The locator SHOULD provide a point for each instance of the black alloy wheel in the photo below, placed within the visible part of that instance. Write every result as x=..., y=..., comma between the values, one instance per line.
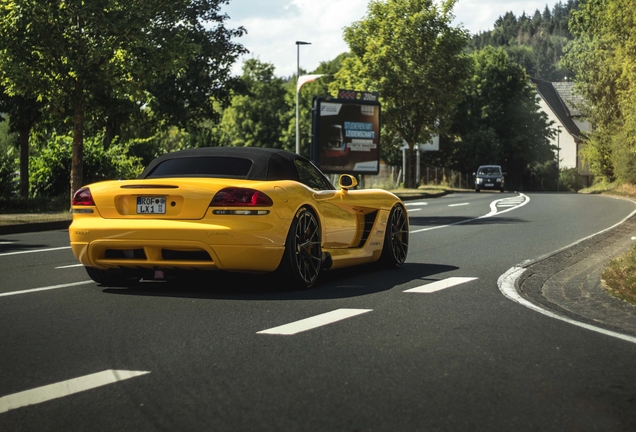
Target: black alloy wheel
x=396, y=238
x=302, y=260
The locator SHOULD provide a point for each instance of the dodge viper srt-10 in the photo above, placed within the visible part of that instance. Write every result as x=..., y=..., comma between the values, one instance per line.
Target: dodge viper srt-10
x=240, y=209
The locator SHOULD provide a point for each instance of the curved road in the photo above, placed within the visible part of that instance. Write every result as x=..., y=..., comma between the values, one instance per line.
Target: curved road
x=432, y=346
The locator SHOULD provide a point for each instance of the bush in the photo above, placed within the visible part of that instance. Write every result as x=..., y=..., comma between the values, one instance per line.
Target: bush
x=17, y=204
x=543, y=176
x=570, y=179
x=7, y=180
x=597, y=153
x=624, y=159
x=50, y=172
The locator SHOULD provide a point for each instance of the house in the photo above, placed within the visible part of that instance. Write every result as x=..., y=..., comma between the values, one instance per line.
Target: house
x=563, y=106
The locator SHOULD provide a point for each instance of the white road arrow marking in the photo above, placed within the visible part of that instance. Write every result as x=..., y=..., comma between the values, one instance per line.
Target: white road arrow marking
x=493, y=212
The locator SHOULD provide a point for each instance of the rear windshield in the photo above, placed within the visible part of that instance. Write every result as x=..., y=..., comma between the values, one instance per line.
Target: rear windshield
x=204, y=166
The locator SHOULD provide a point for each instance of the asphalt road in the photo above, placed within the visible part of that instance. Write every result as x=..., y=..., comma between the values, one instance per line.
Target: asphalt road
x=431, y=346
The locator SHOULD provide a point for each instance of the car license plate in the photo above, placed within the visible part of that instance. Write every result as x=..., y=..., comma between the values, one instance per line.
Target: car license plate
x=489, y=185
x=151, y=205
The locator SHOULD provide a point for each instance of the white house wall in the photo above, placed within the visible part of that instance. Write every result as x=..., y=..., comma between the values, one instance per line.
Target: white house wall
x=584, y=126
x=564, y=141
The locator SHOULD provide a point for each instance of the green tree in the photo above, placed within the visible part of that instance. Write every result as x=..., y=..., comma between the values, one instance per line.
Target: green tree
x=53, y=165
x=7, y=187
x=24, y=113
x=408, y=51
x=536, y=42
x=71, y=53
x=498, y=122
x=192, y=95
x=256, y=116
x=602, y=55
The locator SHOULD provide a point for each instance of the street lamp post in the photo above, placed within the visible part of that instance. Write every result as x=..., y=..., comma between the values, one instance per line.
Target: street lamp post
x=298, y=44
x=558, y=157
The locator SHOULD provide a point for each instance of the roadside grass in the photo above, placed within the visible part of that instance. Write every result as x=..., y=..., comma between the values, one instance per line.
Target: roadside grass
x=619, y=277
x=17, y=210
x=22, y=218
x=626, y=190
x=618, y=189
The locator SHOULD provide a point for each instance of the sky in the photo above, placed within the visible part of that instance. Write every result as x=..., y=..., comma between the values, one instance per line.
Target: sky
x=274, y=26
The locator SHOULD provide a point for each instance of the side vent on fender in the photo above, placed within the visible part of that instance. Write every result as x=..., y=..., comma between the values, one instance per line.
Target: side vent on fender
x=369, y=221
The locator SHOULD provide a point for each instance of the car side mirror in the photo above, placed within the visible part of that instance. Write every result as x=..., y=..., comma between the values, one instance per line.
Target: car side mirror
x=347, y=182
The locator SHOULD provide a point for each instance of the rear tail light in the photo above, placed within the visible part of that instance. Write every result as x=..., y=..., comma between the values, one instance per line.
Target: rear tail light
x=240, y=197
x=83, y=197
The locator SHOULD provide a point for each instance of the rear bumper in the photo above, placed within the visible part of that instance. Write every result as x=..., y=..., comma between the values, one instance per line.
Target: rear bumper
x=489, y=186
x=254, y=245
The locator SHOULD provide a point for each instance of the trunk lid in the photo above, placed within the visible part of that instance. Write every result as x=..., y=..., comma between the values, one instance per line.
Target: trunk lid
x=182, y=198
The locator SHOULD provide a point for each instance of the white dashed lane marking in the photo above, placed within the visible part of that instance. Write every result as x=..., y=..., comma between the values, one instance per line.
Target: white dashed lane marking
x=440, y=285
x=413, y=210
x=69, y=266
x=314, y=322
x=52, y=287
x=34, y=251
x=341, y=314
x=65, y=388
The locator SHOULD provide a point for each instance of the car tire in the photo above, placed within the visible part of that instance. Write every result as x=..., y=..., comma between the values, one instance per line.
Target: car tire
x=477, y=190
x=501, y=190
x=115, y=278
x=396, y=238
x=302, y=260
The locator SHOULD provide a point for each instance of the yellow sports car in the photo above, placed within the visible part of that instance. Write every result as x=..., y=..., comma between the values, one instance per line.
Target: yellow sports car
x=240, y=209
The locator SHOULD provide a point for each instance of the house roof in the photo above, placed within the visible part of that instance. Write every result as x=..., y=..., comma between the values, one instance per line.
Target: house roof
x=572, y=100
x=561, y=98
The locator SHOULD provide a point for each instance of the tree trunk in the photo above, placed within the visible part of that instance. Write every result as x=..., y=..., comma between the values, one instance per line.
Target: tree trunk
x=24, y=162
x=77, y=166
x=113, y=129
x=409, y=181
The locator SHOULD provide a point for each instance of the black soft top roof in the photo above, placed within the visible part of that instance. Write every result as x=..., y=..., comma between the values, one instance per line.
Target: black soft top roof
x=267, y=163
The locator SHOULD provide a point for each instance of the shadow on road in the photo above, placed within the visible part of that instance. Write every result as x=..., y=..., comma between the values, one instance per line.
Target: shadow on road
x=8, y=245
x=343, y=283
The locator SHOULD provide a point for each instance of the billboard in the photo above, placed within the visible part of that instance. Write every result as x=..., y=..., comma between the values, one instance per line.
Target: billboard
x=346, y=135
